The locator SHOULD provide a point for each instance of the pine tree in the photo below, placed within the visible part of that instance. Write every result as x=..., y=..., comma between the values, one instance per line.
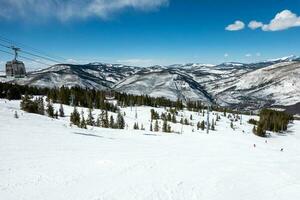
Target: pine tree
x=111, y=122
x=82, y=122
x=156, y=126
x=98, y=121
x=136, y=126
x=142, y=127
x=90, y=119
x=191, y=117
x=212, y=125
x=56, y=115
x=50, y=109
x=198, y=125
x=186, y=122
x=202, y=126
x=169, y=117
x=169, y=128
x=104, y=119
x=41, y=109
x=174, y=118
x=231, y=125
x=120, y=121
x=165, y=126
x=61, y=111
x=75, y=117
x=151, y=129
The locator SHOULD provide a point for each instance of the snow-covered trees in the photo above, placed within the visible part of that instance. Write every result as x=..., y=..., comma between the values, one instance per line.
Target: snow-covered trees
x=82, y=121
x=75, y=117
x=212, y=125
x=90, y=119
x=202, y=125
x=156, y=126
x=50, y=109
x=120, y=121
x=61, y=111
x=32, y=106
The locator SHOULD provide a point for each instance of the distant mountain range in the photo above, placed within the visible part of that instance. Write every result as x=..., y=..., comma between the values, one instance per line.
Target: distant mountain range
x=238, y=85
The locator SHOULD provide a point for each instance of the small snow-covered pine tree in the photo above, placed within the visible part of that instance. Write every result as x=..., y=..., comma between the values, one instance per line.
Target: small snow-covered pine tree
x=61, y=111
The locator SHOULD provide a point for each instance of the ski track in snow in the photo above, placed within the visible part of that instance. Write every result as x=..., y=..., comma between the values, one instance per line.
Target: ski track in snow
x=43, y=158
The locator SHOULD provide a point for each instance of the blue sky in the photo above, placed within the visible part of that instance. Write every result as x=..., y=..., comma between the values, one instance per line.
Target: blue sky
x=147, y=32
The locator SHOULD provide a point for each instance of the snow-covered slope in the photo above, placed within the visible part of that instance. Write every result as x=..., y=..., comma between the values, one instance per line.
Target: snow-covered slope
x=43, y=158
x=254, y=85
x=93, y=75
x=171, y=83
x=278, y=84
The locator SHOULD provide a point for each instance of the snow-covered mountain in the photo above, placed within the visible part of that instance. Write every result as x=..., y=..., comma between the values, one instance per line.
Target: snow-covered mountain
x=277, y=84
x=171, y=83
x=254, y=85
x=94, y=75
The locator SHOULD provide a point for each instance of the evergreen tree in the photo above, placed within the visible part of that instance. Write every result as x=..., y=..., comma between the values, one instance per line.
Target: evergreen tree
x=156, y=126
x=120, y=121
x=98, y=121
x=142, y=127
x=186, y=122
x=191, y=117
x=136, y=126
x=174, y=118
x=202, y=126
x=151, y=129
x=111, y=122
x=212, y=125
x=198, y=125
x=169, y=117
x=231, y=125
x=75, y=117
x=82, y=122
x=90, y=119
x=50, y=109
x=56, y=115
x=181, y=121
x=61, y=111
x=169, y=128
x=165, y=126
x=41, y=109
x=104, y=119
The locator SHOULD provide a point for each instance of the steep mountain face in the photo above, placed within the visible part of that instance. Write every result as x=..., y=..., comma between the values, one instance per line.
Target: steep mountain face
x=95, y=75
x=237, y=85
x=171, y=83
x=277, y=84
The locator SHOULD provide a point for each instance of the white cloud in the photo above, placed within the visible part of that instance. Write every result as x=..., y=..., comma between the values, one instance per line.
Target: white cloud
x=226, y=55
x=248, y=55
x=236, y=26
x=69, y=9
x=258, y=54
x=255, y=24
x=283, y=20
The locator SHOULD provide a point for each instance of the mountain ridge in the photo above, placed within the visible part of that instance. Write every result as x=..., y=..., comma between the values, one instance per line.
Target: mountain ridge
x=247, y=86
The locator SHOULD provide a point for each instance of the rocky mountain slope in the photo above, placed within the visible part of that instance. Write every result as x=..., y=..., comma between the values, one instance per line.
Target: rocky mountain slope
x=238, y=85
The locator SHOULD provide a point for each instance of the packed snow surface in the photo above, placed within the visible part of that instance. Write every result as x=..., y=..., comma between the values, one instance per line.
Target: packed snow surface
x=44, y=158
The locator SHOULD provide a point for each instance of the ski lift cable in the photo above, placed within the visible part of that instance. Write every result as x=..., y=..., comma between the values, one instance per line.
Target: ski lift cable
x=32, y=54
x=26, y=58
x=11, y=42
